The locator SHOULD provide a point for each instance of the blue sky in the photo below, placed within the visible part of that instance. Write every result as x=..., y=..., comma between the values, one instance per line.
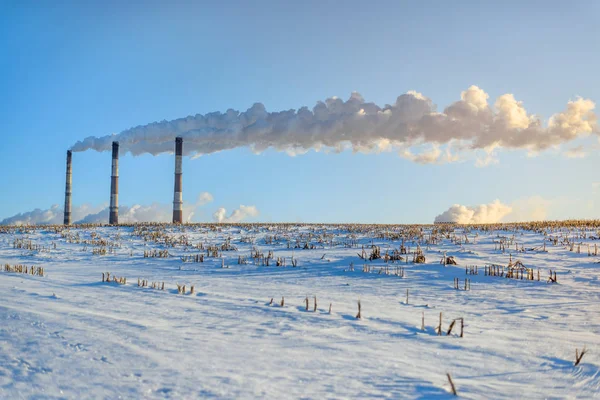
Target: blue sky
x=69, y=71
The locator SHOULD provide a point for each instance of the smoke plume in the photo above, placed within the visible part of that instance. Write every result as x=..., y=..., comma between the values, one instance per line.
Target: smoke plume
x=237, y=215
x=470, y=123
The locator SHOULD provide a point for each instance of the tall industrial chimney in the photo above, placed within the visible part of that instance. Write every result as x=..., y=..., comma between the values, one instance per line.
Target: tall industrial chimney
x=67, y=220
x=177, y=198
x=113, y=218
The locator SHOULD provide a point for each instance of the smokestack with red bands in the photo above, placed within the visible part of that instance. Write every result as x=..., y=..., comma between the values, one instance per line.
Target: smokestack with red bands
x=67, y=220
x=177, y=197
x=113, y=218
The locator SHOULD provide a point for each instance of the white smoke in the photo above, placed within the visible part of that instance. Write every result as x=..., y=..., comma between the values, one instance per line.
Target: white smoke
x=237, y=215
x=86, y=214
x=220, y=214
x=137, y=213
x=204, y=198
x=534, y=208
x=481, y=214
x=52, y=216
x=366, y=127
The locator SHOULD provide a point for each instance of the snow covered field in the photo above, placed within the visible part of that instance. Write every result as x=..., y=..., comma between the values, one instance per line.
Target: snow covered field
x=70, y=335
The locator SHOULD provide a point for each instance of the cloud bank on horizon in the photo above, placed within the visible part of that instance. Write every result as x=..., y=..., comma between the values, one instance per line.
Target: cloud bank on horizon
x=481, y=214
x=237, y=215
x=155, y=212
x=534, y=208
x=412, y=122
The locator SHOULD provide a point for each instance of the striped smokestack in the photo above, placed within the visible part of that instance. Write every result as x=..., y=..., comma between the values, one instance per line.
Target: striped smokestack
x=67, y=220
x=113, y=218
x=177, y=198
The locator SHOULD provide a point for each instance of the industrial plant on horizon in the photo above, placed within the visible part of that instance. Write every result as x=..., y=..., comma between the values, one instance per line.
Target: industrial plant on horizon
x=113, y=218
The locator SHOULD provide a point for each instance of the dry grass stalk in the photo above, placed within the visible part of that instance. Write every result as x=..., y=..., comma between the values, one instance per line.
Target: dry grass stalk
x=439, y=328
x=282, y=301
x=450, y=327
x=471, y=270
x=315, y=309
x=452, y=387
x=106, y=278
x=306, y=301
x=330, y=307
x=358, y=316
x=423, y=321
x=448, y=260
x=579, y=356
x=462, y=326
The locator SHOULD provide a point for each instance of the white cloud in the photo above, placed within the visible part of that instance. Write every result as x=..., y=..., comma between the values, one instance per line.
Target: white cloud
x=432, y=154
x=204, y=198
x=238, y=215
x=486, y=161
x=86, y=213
x=52, y=216
x=512, y=113
x=481, y=214
x=575, y=152
x=154, y=212
x=534, y=208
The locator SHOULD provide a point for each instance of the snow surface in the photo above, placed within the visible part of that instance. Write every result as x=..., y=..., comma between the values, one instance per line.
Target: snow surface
x=69, y=335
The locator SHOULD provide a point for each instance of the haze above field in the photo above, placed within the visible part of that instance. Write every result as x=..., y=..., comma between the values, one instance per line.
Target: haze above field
x=491, y=110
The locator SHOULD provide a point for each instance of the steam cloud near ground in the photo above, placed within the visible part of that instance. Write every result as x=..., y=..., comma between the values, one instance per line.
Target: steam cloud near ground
x=236, y=215
x=481, y=214
x=533, y=208
x=412, y=122
x=155, y=212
